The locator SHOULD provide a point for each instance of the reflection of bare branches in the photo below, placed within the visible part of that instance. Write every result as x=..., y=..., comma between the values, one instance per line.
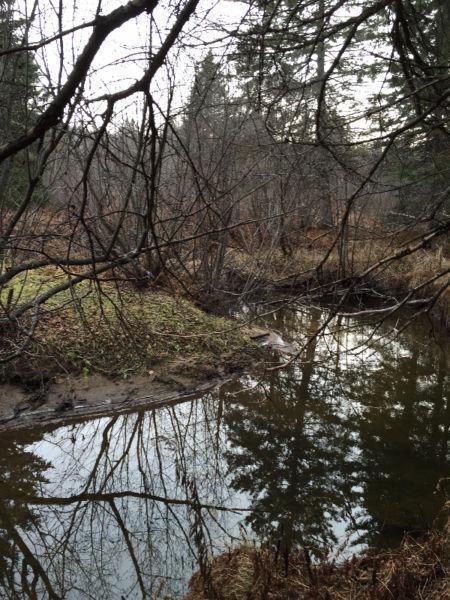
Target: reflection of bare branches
x=149, y=497
x=133, y=472
x=109, y=497
x=126, y=536
x=29, y=557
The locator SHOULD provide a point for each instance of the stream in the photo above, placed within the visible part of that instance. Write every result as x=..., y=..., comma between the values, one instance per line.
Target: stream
x=345, y=450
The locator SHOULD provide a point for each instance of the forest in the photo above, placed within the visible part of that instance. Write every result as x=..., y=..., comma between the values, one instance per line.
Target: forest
x=252, y=194
x=300, y=146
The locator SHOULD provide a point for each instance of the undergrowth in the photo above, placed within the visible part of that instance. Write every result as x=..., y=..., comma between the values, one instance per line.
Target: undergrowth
x=394, y=280
x=416, y=570
x=94, y=328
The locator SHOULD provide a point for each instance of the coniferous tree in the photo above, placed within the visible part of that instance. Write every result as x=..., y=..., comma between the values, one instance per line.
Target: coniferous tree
x=415, y=90
x=283, y=57
x=18, y=95
x=208, y=106
x=209, y=133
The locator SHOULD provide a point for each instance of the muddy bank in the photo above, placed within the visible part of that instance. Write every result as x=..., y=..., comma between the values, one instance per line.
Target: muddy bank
x=70, y=398
x=76, y=398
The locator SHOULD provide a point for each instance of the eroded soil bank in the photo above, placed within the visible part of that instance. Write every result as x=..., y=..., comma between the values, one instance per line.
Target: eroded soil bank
x=95, y=352
x=89, y=397
x=65, y=399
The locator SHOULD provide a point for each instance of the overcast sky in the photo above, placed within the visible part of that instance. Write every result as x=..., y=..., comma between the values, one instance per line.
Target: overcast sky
x=125, y=53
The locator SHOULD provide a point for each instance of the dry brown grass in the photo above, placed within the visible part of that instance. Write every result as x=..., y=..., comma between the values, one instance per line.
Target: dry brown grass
x=395, y=279
x=416, y=570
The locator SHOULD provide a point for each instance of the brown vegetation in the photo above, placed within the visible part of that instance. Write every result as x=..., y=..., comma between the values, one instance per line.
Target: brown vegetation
x=418, y=276
x=418, y=569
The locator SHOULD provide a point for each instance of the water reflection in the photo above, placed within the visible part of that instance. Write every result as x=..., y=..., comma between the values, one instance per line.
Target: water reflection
x=360, y=437
x=129, y=506
x=403, y=439
x=21, y=473
x=291, y=451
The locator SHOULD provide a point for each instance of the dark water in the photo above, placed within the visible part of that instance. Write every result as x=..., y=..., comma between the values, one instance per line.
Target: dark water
x=336, y=453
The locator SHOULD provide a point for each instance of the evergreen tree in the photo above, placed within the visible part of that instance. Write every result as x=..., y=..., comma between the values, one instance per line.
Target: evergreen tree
x=415, y=89
x=18, y=94
x=209, y=131
x=282, y=58
x=208, y=107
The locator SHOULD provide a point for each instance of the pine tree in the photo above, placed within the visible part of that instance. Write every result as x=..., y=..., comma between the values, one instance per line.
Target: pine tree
x=18, y=93
x=415, y=88
x=282, y=58
x=208, y=106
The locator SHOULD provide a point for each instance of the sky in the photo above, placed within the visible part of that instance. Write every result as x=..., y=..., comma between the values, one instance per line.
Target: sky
x=124, y=55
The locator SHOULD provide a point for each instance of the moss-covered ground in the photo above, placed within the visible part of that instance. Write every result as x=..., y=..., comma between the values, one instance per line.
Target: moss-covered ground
x=117, y=331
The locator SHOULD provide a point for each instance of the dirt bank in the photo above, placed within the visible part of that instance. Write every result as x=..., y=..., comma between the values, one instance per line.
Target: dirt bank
x=61, y=398
x=68, y=398
x=96, y=396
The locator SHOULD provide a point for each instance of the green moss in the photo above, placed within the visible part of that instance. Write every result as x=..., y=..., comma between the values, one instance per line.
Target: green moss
x=27, y=286
x=91, y=328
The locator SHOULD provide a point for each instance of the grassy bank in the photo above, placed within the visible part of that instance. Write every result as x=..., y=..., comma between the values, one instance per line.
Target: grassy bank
x=121, y=331
x=416, y=570
x=391, y=280
x=115, y=331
